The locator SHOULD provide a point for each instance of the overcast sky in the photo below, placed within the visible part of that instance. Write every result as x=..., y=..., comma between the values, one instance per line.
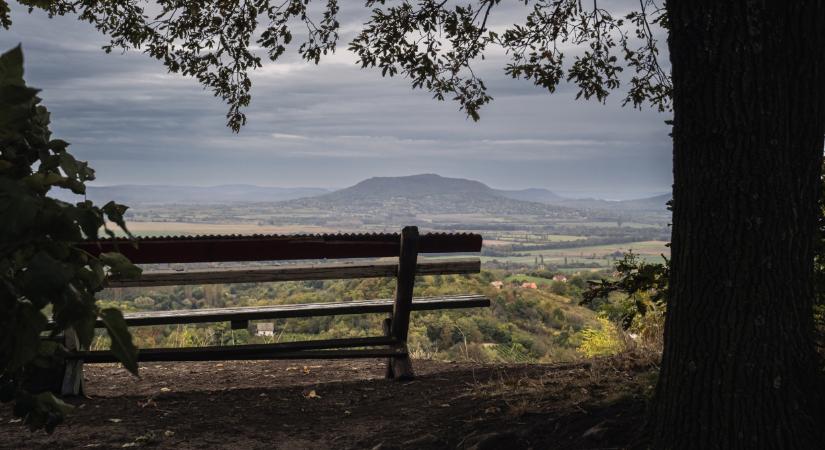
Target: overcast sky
x=330, y=125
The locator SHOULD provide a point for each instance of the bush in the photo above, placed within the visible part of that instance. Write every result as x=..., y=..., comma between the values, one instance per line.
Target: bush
x=41, y=267
x=602, y=341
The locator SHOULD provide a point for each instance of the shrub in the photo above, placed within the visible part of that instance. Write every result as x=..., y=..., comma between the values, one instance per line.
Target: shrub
x=42, y=271
x=602, y=341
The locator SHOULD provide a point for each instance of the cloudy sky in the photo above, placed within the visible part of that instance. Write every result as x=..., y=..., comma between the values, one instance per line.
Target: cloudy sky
x=330, y=125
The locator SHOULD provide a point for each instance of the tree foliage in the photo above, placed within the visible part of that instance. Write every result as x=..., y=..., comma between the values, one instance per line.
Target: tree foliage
x=644, y=284
x=42, y=273
x=435, y=44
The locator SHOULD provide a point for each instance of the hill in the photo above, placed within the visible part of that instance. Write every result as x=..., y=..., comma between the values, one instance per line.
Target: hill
x=656, y=203
x=532, y=195
x=130, y=194
x=426, y=194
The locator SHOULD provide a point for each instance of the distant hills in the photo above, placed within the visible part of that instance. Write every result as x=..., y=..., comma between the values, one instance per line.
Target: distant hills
x=425, y=194
x=656, y=203
x=134, y=195
x=406, y=195
x=532, y=195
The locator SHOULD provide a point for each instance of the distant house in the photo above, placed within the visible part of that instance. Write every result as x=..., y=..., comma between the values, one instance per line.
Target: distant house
x=265, y=329
x=560, y=277
x=497, y=284
x=527, y=285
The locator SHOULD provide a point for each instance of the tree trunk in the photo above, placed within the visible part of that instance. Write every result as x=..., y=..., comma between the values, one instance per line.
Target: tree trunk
x=739, y=368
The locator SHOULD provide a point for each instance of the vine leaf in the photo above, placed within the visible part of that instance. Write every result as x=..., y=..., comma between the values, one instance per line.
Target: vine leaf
x=122, y=346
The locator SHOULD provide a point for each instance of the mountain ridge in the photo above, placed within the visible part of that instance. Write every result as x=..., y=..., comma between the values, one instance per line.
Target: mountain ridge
x=422, y=193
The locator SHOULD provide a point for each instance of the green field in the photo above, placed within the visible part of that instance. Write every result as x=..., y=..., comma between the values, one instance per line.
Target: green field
x=650, y=251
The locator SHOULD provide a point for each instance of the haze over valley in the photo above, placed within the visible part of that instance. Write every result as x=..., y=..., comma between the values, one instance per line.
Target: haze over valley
x=520, y=227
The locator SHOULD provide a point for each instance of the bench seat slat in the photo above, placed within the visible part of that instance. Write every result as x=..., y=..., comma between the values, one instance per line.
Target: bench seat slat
x=297, y=310
x=299, y=272
x=328, y=348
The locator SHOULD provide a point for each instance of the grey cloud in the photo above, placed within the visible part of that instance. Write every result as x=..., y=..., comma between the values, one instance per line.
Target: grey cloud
x=329, y=125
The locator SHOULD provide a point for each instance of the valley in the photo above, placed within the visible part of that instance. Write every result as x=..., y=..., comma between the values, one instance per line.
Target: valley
x=522, y=229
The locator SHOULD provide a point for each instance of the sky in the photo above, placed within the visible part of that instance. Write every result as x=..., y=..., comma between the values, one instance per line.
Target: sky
x=330, y=125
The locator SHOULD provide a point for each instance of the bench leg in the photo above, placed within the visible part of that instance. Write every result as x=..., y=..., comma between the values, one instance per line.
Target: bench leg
x=398, y=367
x=72, y=369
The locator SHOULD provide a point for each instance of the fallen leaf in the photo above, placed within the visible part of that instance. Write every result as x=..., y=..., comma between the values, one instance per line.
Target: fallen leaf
x=168, y=433
x=306, y=370
x=312, y=394
x=148, y=402
x=115, y=420
x=165, y=389
x=347, y=412
x=491, y=410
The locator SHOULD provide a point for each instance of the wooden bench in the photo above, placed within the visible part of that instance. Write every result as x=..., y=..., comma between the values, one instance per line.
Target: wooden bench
x=392, y=343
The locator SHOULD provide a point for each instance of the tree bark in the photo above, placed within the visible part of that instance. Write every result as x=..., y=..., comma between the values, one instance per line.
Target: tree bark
x=739, y=368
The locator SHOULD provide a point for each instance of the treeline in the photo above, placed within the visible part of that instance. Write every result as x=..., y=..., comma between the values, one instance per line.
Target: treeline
x=544, y=324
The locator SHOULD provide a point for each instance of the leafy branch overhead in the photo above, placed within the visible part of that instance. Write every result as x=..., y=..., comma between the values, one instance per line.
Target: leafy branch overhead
x=41, y=269
x=433, y=43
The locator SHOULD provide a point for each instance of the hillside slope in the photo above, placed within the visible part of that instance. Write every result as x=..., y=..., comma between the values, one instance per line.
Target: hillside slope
x=426, y=194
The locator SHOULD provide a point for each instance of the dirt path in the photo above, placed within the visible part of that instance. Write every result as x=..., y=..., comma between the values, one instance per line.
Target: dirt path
x=348, y=404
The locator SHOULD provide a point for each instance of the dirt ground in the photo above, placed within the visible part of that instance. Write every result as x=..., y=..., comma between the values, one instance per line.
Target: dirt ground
x=349, y=405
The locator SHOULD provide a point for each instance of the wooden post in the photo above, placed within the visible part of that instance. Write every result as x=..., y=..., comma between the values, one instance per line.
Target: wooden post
x=73, y=368
x=400, y=367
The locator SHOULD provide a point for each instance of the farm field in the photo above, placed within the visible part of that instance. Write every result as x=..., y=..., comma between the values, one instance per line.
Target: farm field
x=601, y=255
x=190, y=229
x=642, y=248
x=498, y=238
x=588, y=257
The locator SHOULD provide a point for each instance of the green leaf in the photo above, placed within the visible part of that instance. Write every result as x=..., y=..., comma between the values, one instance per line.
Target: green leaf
x=115, y=213
x=11, y=67
x=48, y=412
x=85, y=330
x=122, y=346
x=120, y=266
x=45, y=278
x=21, y=338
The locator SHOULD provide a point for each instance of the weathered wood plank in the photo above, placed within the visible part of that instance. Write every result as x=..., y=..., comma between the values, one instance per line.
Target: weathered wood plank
x=72, y=369
x=330, y=348
x=327, y=271
x=190, y=249
x=207, y=315
x=400, y=367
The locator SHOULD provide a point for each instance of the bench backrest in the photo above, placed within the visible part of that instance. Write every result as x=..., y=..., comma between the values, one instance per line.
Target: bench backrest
x=299, y=247
x=157, y=250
